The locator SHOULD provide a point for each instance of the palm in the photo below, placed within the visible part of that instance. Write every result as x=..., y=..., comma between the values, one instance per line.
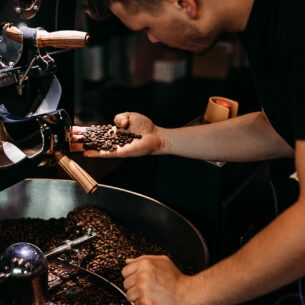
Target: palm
x=138, y=124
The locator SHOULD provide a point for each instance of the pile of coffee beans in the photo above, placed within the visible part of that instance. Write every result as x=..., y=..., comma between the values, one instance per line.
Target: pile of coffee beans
x=105, y=255
x=105, y=137
x=70, y=284
x=114, y=242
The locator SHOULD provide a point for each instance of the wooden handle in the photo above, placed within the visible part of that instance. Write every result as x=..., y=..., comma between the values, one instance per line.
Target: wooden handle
x=62, y=39
x=76, y=173
x=14, y=34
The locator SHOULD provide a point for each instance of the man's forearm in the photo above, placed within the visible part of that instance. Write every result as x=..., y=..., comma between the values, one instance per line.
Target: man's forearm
x=272, y=259
x=245, y=138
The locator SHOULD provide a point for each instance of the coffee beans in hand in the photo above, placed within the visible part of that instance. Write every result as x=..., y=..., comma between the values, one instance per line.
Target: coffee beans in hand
x=105, y=137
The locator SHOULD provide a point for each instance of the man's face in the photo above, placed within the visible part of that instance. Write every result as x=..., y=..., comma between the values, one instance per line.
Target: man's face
x=169, y=27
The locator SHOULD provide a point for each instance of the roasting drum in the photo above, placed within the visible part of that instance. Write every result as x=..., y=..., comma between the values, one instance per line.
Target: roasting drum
x=54, y=198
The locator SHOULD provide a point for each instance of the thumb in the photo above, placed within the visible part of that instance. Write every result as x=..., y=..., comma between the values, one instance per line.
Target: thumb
x=122, y=120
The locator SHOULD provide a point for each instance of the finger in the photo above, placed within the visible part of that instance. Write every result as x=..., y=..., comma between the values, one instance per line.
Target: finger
x=122, y=120
x=141, y=257
x=135, y=264
x=78, y=129
x=130, y=260
x=75, y=147
x=130, y=279
x=132, y=295
x=76, y=137
x=100, y=154
x=129, y=269
x=129, y=282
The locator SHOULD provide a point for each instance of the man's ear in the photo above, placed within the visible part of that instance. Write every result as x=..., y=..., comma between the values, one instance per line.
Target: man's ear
x=188, y=6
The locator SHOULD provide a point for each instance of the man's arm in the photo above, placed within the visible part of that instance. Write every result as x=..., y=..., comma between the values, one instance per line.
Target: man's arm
x=271, y=259
x=248, y=137
x=245, y=138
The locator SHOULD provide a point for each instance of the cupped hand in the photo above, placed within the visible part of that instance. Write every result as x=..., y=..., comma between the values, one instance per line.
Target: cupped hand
x=129, y=122
x=153, y=279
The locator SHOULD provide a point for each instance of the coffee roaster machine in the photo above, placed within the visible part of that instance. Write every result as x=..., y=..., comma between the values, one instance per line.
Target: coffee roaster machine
x=37, y=94
x=37, y=61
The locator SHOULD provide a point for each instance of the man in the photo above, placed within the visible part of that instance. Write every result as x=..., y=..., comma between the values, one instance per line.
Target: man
x=272, y=33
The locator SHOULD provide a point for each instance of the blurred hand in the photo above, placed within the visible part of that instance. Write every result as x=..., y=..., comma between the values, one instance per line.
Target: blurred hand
x=152, y=279
x=130, y=122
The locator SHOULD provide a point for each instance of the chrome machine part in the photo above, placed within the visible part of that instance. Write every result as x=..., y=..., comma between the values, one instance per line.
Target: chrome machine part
x=26, y=9
x=49, y=98
x=26, y=271
x=10, y=154
x=42, y=139
x=70, y=245
x=37, y=137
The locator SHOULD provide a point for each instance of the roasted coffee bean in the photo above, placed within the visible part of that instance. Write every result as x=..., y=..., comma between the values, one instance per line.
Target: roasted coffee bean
x=104, y=137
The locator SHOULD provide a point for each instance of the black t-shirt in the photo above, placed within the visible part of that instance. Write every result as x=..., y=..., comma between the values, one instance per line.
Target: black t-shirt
x=274, y=41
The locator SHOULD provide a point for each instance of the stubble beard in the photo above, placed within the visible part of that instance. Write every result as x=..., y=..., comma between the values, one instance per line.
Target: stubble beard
x=192, y=40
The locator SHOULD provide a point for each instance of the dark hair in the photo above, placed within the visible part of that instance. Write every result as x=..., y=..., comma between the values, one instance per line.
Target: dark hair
x=99, y=9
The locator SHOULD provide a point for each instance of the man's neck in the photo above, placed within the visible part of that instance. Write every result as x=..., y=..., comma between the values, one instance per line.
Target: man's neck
x=232, y=15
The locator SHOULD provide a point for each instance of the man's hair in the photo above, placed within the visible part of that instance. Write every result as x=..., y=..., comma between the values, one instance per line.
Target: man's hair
x=99, y=9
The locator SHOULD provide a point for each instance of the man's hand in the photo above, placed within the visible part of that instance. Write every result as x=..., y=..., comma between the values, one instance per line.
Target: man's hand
x=153, y=279
x=129, y=123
